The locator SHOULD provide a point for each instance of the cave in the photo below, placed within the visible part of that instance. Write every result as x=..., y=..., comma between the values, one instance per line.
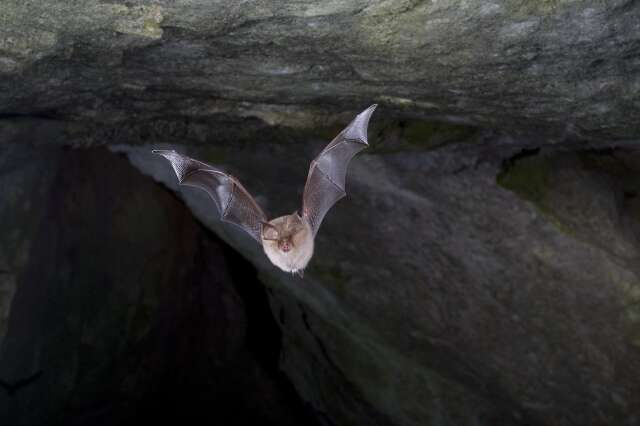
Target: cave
x=483, y=269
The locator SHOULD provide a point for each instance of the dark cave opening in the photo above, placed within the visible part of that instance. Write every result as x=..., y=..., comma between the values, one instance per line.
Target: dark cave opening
x=128, y=310
x=233, y=396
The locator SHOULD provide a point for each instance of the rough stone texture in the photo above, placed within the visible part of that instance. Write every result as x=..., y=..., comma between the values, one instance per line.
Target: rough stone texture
x=570, y=66
x=438, y=296
x=123, y=310
x=483, y=270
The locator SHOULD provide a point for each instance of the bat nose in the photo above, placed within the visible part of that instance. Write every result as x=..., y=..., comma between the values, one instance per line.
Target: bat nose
x=285, y=247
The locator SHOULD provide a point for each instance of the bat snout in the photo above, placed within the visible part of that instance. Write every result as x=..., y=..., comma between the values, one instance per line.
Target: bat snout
x=285, y=246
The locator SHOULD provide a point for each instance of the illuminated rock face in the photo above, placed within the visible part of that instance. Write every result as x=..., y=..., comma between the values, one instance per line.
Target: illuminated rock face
x=569, y=67
x=481, y=271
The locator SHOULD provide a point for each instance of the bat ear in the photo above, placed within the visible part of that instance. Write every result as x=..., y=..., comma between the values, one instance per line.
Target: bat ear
x=269, y=232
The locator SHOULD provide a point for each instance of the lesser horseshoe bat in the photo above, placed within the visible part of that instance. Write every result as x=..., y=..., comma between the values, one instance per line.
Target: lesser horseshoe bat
x=287, y=240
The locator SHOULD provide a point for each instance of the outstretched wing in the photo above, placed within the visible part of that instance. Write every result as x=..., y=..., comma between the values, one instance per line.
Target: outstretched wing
x=234, y=203
x=326, y=180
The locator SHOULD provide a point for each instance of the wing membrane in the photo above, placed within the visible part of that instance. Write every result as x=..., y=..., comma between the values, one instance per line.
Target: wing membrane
x=234, y=202
x=327, y=174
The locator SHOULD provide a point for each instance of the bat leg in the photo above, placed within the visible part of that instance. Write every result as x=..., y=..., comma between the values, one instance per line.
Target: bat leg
x=300, y=273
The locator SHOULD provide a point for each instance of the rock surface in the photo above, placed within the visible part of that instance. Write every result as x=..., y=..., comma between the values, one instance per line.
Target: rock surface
x=569, y=66
x=483, y=269
x=453, y=288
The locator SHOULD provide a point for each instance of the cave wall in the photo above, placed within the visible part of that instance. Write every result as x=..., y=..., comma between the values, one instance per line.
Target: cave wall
x=474, y=283
x=469, y=278
x=567, y=66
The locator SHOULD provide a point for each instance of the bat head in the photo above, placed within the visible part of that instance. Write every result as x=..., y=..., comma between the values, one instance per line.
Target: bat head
x=284, y=232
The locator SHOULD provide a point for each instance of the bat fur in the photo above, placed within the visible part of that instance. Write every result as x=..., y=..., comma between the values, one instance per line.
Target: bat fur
x=293, y=251
x=288, y=241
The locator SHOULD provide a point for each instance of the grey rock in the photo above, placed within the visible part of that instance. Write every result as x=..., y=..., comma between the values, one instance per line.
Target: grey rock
x=442, y=293
x=569, y=67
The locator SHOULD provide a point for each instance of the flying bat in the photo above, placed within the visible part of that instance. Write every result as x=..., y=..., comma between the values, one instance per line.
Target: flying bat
x=288, y=240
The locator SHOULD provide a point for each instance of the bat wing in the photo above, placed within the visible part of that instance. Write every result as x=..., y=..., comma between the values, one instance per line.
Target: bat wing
x=234, y=203
x=326, y=180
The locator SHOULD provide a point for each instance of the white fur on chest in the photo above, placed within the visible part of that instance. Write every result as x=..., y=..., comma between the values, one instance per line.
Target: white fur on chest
x=295, y=259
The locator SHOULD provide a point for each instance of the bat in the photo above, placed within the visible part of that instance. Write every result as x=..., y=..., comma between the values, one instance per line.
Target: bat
x=288, y=241
x=12, y=388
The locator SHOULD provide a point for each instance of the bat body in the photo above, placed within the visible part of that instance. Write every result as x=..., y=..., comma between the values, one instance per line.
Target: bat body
x=288, y=241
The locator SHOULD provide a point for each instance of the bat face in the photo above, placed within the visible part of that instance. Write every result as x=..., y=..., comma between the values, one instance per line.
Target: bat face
x=288, y=242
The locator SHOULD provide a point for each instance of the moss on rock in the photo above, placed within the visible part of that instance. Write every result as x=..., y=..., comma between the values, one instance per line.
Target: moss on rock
x=529, y=177
x=421, y=135
x=434, y=134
